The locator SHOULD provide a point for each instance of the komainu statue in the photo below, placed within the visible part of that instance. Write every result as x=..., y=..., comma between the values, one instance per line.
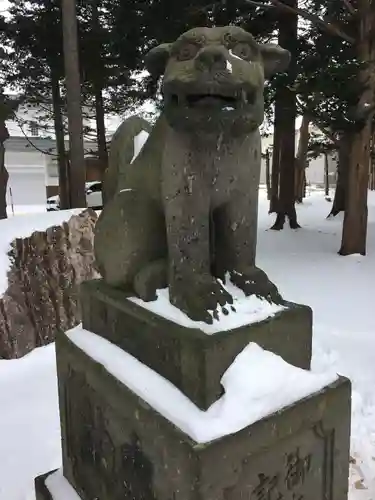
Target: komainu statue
x=183, y=210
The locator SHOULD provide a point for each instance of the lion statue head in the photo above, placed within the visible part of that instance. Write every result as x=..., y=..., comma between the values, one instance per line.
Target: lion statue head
x=213, y=78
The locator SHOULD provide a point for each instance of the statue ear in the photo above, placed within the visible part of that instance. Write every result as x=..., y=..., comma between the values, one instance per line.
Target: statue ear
x=275, y=58
x=156, y=59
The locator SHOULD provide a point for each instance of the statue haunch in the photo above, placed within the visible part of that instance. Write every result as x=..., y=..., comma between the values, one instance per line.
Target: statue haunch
x=183, y=213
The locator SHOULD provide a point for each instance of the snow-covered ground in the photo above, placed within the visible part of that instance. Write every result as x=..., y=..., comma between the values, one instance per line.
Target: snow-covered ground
x=25, y=209
x=307, y=268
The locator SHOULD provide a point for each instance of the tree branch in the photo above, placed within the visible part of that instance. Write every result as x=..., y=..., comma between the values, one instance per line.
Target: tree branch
x=349, y=6
x=327, y=133
x=30, y=142
x=318, y=21
x=315, y=120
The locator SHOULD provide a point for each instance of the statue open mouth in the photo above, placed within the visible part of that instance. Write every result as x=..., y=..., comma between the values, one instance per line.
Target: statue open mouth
x=221, y=101
x=226, y=101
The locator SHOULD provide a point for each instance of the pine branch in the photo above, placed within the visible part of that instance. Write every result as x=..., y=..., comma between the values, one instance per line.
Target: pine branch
x=20, y=124
x=315, y=120
x=349, y=6
x=318, y=21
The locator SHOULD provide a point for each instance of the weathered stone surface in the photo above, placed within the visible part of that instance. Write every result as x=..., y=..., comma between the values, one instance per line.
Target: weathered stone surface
x=46, y=270
x=196, y=179
x=192, y=360
x=115, y=446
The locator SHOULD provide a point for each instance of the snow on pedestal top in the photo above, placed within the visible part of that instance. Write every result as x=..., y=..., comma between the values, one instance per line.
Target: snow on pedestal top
x=248, y=310
x=257, y=384
x=59, y=487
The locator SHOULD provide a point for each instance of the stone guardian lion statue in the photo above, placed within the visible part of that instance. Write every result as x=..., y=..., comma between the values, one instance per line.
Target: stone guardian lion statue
x=183, y=213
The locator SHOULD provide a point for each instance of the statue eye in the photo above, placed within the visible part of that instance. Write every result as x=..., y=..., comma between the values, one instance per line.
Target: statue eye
x=229, y=39
x=187, y=52
x=242, y=50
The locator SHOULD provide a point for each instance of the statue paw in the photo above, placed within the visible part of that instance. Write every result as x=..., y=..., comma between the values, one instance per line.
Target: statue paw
x=254, y=281
x=200, y=298
x=153, y=277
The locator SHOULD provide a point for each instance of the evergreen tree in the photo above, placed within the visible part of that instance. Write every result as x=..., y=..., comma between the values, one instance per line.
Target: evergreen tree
x=36, y=67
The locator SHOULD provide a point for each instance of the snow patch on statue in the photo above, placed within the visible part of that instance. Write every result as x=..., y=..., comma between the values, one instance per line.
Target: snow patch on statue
x=139, y=142
x=234, y=55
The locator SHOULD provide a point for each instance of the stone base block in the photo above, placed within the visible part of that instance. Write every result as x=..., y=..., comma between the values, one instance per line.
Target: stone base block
x=190, y=358
x=115, y=446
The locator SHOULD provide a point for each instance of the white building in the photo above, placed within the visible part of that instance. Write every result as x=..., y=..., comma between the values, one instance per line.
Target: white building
x=30, y=158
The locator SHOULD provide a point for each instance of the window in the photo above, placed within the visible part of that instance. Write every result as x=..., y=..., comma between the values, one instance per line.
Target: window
x=34, y=129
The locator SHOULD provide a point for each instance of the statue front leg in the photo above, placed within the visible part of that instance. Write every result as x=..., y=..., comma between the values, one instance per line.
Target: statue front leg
x=193, y=289
x=236, y=237
x=130, y=244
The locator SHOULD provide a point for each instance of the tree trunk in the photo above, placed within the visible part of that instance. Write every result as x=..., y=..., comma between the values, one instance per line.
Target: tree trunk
x=101, y=139
x=326, y=175
x=275, y=173
x=339, y=201
x=372, y=177
x=100, y=132
x=268, y=174
x=355, y=220
x=73, y=90
x=301, y=159
x=372, y=162
x=97, y=77
x=299, y=184
x=62, y=163
x=285, y=112
x=4, y=176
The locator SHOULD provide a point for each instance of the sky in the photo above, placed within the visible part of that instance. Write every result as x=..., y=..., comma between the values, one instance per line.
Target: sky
x=3, y=6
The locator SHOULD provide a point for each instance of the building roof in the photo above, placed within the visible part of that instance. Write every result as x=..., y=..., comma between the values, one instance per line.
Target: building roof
x=41, y=144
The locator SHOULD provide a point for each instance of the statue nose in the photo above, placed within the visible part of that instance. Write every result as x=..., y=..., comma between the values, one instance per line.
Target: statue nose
x=211, y=58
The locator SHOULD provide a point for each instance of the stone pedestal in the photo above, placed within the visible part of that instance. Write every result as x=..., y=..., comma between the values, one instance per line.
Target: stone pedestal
x=190, y=358
x=115, y=446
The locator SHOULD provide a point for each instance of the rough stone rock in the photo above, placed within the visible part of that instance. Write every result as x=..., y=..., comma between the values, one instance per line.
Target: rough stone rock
x=185, y=210
x=43, y=281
